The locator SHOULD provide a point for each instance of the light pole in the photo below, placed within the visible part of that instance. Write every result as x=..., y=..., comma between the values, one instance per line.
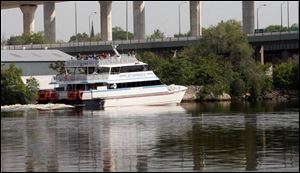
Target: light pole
x=179, y=16
x=257, y=14
x=281, y=15
x=90, y=21
x=288, y=14
x=76, y=21
x=126, y=20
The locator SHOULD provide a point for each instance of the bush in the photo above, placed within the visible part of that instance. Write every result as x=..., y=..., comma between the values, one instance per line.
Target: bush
x=32, y=88
x=286, y=76
x=13, y=90
x=237, y=87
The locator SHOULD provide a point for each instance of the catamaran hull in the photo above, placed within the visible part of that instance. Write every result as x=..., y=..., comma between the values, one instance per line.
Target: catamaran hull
x=154, y=95
x=146, y=100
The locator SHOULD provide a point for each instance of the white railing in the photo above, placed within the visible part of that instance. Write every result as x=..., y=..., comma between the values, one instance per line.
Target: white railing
x=98, y=62
x=79, y=78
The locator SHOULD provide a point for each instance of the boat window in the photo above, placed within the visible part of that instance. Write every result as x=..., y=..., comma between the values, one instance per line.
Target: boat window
x=91, y=70
x=59, y=89
x=70, y=87
x=91, y=86
x=80, y=70
x=102, y=70
x=115, y=70
x=145, y=68
x=135, y=68
x=138, y=84
x=101, y=84
x=80, y=87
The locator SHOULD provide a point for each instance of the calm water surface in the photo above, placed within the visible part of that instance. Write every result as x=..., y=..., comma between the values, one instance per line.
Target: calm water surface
x=191, y=137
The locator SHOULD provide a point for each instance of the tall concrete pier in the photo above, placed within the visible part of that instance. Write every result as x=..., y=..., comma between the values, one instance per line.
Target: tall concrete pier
x=49, y=21
x=248, y=16
x=195, y=18
x=28, y=17
x=139, y=19
x=106, y=25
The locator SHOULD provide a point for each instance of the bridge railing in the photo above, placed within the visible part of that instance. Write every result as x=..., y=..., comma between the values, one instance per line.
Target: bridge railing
x=273, y=33
x=95, y=43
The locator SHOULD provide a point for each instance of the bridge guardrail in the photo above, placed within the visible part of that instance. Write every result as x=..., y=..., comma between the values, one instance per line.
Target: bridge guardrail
x=95, y=43
x=251, y=38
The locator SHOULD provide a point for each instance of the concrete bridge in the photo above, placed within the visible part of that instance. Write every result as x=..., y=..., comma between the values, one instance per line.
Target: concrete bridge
x=276, y=45
x=28, y=9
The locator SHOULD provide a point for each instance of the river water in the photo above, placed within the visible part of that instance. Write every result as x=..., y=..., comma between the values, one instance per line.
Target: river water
x=191, y=137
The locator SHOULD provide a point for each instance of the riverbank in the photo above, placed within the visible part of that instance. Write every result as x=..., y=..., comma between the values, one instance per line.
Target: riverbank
x=192, y=95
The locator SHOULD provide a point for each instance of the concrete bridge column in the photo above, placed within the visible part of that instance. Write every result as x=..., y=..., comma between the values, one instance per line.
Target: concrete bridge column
x=248, y=16
x=195, y=18
x=106, y=26
x=28, y=17
x=139, y=19
x=49, y=21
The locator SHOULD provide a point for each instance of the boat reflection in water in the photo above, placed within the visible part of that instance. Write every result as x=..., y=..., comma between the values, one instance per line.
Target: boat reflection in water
x=200, y=137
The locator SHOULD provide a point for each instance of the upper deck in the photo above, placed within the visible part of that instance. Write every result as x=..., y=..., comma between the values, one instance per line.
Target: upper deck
x=112, y=61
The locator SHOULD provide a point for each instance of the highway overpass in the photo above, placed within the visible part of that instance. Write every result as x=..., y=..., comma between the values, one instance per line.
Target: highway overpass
x=275, y=45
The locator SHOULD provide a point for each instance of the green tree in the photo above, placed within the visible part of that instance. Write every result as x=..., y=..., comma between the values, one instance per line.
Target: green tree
x=157, y=34
x=83, y=37
x=12, y=87
x=97, y=37
x=294, y=27
x=176, y=71
x=58, y=66
x=275, y=28
x=15, y=40
x=183, y=35
x=32, y=38
x=119, y=34
x=286, y=75
x=80, y=37
x=32, y=88
x=231, y=61
x=153, y=60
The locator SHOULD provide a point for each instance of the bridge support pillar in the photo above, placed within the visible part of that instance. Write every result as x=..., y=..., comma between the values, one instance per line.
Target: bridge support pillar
x=106, y=26
x=248, y=16
x=195, y=18
x=28, y=17
x=139, y=19
x=49, y=21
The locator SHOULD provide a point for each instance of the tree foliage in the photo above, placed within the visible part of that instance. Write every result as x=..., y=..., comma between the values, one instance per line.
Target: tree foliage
x=13, y=90
x=80, y=37
x=157, y=34
x=58, y=66
x=183, y=34
x=221, y=62
x=286, y=75
x=32, y=38
x=32, y=88
x=277, y=28
x=119, y=34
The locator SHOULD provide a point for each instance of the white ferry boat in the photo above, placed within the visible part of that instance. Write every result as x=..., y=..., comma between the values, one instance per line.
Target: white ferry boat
x=119, y=80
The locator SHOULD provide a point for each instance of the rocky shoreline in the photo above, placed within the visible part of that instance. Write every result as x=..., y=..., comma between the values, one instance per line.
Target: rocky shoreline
x=193, y=91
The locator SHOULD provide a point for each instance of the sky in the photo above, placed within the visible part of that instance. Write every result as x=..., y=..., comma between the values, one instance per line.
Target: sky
x=162, y=15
